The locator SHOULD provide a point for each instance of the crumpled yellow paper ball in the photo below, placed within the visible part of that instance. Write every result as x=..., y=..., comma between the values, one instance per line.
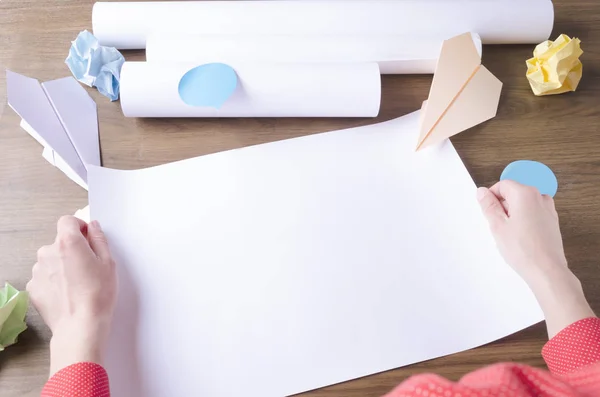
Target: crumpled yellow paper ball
x=555, y=67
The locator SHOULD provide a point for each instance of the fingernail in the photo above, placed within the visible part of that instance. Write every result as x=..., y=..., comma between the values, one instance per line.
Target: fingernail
x=481, y=193
x=95, y=224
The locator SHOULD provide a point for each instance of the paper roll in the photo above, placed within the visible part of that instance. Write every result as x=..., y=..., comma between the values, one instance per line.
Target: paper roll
x=394, y=54
x=150, y=89
x=127, y=25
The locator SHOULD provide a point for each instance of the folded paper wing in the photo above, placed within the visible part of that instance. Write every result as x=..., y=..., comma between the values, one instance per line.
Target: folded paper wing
x=463, y=93
x=78, y=115
x=54, y=158
x=62, y=117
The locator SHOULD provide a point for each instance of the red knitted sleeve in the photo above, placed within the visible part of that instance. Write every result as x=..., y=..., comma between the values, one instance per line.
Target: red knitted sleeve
x=573, y=357
x=81, y=380
x=575, y=347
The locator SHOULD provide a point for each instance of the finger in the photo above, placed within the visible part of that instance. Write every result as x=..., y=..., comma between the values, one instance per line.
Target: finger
x=512, y=191
x=505, y=189
x=29, y=286
x=504, y=203
x=98, y=241
x=549, y=202
x=70, y=226
x=45, y=252
x=31, y=290
x=35, y=270
x=491, y=206
x=506, y=206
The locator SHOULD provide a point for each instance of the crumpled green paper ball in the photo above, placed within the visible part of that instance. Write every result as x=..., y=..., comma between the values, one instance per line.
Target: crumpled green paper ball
x=13, y=307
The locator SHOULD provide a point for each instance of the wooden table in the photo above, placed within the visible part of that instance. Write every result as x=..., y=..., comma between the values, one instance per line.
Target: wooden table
x=561, y=131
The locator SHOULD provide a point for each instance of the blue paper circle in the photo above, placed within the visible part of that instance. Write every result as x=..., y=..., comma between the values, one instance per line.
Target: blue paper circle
x=208, y=85
x=532, y=173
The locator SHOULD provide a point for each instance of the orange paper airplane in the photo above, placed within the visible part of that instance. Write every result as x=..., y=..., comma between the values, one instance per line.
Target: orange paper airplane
x=463, y=93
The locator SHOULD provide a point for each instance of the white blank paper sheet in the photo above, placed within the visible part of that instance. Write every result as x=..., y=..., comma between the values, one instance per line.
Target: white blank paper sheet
x=127, y=25
x=276, y=269
x=394, y=54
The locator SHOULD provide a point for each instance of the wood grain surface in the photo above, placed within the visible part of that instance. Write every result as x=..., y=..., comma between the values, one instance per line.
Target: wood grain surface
x=561, y=131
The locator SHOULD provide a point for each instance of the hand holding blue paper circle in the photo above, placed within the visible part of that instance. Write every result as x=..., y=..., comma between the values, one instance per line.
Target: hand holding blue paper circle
x=532, y=173
x=208, y=85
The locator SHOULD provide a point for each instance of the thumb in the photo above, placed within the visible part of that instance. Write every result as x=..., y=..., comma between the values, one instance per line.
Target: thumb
x=97, y=241
x=491, y=206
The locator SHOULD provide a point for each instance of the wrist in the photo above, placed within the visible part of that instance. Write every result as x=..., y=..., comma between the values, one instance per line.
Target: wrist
x=548, y=281
x=75, y=343
x=561, y=298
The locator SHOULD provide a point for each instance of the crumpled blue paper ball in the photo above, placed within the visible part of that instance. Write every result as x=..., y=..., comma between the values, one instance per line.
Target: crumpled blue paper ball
x=95, y=65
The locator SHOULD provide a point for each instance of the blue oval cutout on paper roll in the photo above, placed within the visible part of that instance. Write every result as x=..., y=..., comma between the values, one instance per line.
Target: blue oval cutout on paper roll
x=208, y=85
x=532, y=173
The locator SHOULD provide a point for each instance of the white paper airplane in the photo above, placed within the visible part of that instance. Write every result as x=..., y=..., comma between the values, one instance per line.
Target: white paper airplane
x=62, y=117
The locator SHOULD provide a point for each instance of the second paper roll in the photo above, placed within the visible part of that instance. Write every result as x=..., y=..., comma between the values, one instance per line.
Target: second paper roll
x=394, y=54
x=150, y=89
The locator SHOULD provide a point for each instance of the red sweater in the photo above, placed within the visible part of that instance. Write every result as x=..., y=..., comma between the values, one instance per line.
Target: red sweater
x=573, y=357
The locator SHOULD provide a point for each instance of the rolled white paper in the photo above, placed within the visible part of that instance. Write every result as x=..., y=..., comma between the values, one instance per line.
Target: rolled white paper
x=394, y=54
x=127, y=25
x=150, y=89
